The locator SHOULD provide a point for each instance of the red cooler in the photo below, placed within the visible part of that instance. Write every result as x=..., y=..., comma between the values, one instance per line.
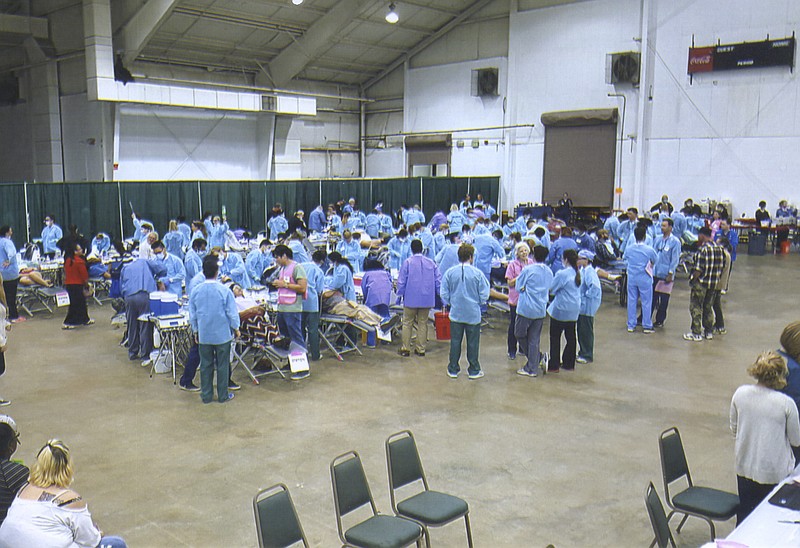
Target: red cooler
x=441, y=320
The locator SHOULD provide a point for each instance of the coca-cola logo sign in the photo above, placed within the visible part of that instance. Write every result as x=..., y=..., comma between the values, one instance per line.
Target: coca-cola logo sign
x=701, y=60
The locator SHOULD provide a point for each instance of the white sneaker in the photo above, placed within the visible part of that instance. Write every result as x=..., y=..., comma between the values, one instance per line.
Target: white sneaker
x=581, y=359
x=692, y=337
x=477, y=375
x=525, y=373
x=544, y=362
x=709, y=336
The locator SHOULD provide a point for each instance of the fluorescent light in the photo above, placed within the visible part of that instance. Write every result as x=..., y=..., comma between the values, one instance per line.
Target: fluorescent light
x=392, y=16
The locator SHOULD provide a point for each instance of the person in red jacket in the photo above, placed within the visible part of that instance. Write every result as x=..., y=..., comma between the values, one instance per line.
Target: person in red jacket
x=76, y=277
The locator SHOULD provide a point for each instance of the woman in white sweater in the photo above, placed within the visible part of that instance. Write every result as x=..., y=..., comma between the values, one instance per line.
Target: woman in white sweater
x=765, y=423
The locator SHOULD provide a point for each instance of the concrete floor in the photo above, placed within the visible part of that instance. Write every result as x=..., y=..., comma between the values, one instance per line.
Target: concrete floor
x=559, y=460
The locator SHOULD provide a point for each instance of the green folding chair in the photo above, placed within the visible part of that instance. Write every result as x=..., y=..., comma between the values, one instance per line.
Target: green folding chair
x=351, y=492
x=277, y=524
x=430, y=508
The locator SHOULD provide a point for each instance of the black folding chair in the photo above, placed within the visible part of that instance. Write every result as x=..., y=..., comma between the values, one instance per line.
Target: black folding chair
x=658, y=519
x=430, y=508
x=702, y=502
x=277, y=524
x=351, y=492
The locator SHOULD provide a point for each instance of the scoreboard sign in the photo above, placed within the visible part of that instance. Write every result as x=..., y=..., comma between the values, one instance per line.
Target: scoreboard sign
x=768, y=53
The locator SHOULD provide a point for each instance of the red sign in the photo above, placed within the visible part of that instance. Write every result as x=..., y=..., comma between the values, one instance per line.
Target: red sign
x=701, y=59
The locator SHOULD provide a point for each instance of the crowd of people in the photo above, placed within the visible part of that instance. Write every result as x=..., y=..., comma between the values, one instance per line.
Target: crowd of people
x=539, y=265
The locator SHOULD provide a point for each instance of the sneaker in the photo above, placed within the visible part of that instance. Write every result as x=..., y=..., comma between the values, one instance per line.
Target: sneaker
x=390, y=323
x=692, y=337
x=475, y=376
x=90, y=322
x=67, y=326
x=404, y=353
x=525, y=373
x=420, y=353
x=452, y=375
x=512, y=357
x=4, y=402
x=648, y=331
x=709, y=336
x=658, y=325
x=190, y=387
x=581, y=359
x=19, y=320
x=230, y=397
x=544, y=362
x=233, y=385
x=631, y=330
x=721, y=331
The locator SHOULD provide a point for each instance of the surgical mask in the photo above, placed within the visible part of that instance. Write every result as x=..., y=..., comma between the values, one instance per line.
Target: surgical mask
x=202, y=253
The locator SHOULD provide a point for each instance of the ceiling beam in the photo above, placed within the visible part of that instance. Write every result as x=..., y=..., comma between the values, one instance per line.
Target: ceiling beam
x=22, y=25
x=319, y=36
x=133, y=36
x=474, y=8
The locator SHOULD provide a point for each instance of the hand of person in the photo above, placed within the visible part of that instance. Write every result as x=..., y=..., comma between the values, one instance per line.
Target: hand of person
x=133, y=215
x=6, y=263
x=2, y=349
x=669, y=278
x=161, y=286
x=237, y=333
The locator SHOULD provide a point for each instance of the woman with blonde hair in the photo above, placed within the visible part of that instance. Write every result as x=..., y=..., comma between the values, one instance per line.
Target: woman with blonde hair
x=46, y=512
x=174, y=240
x=766, y=426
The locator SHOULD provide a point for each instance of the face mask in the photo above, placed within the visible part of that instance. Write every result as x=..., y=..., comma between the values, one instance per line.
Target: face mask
x=202, y=253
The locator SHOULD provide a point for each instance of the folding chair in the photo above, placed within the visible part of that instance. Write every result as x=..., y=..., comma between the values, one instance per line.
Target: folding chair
x=430, y=508
x=36, y=298
x=702, y=502
x=658, y=519
x=102, y=288
x=277, y=524
x=241, y=349
x=332, y=332
x=351, y=492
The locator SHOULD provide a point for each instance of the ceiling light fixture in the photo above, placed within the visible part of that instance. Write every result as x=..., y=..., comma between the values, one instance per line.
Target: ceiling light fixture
x=392, y=16
x=297, y=2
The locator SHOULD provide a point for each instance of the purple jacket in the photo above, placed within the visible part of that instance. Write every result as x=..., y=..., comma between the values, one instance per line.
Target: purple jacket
x=377, y=287
x=418, y=282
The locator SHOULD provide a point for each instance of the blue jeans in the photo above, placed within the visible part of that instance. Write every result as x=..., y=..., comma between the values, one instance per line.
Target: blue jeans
x=473, y=333
x=214, y=357
x=290, y=325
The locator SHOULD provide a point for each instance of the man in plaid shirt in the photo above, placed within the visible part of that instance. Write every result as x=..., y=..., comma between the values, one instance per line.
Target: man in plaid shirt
x=708, y=268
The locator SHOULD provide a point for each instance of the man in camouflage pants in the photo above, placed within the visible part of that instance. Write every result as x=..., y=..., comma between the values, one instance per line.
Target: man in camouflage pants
x=705, y=276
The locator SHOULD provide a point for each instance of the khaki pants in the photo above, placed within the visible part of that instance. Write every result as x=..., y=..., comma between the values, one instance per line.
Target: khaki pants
x=415, y=318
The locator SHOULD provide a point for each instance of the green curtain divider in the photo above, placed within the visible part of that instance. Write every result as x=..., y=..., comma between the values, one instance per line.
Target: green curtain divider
x=92, y=207
x=344, y=189
x=158, y=202
x=95, y=206
x=440, y=192
x=12, y=211
x=243, y=201
x=489, y=187
x=294, y=195
x=394, y=193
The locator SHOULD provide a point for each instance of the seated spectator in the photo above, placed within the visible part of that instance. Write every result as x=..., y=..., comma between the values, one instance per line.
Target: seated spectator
x=46, y=512
x=12, y=474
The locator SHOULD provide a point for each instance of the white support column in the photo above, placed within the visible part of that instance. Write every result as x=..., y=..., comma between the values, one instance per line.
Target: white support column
x=648, y=26
x=46, y=120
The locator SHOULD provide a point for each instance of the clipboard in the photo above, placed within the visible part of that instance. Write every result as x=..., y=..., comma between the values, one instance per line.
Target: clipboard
x=664, y=287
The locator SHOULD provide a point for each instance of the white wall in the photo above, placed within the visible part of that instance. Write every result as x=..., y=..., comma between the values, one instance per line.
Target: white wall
x=439, y=99
x=16, y=143
x=726, y=135
x=171, y=144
